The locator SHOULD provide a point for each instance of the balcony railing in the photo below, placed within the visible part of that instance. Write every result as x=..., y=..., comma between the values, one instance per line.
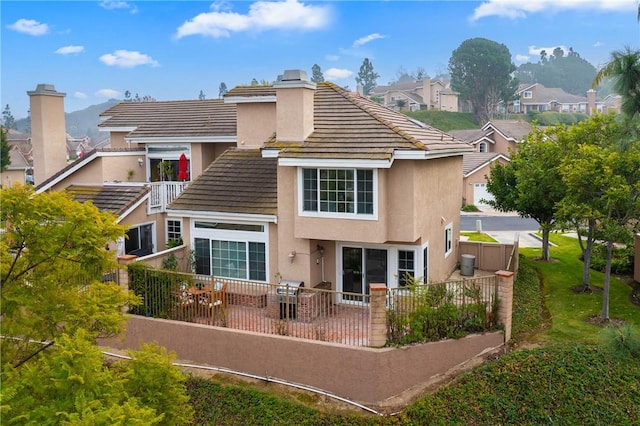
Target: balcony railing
x=163, y=193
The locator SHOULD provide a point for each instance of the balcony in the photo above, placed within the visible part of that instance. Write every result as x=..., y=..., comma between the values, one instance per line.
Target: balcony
x=163, y=193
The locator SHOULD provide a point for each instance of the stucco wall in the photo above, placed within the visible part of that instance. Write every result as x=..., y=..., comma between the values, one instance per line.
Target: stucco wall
x=365, y=375
x=10, y=178
x=256, y=123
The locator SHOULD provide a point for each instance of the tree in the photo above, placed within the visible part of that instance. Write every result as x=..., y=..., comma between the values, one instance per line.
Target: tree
x=5, y=160
x=202, y=96
x=222, y=90
x=624, y=69
x=584, y=205
x=366, y=76
x=530, y=183
x=8, y=122
x=70, y=383
x=316, y=72
x=127, y=96
x=481, y=72
x=52, y=259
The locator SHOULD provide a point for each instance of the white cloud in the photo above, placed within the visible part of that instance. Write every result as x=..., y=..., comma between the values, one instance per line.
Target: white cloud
x=262, y=15
x=66, y=50
x=515, y=9
x=80, y=95
x=108, y=93
x=127, y=59
x=534, y=50
x=332, y=58
x=522, y=58
x=366, y=39
x=116, y=4
x=598, y=44
x=29, y=26
x=337, y=74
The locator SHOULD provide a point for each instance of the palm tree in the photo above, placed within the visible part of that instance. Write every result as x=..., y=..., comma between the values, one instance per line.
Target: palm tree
x=624, y=68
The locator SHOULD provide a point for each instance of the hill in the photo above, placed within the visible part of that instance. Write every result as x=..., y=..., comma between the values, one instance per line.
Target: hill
x=444, y=120
x=79, y=123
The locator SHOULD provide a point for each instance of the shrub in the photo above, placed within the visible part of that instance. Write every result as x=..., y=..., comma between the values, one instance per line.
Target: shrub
x=470, y=208
x=623, y=341
x=621, y=259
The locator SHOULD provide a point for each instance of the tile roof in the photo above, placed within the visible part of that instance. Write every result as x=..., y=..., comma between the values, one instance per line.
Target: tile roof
x=238, y=181
x=247, y=91
x=347, y=125
x=516, y=129
x=473, y=160
x=209, y=117
x=108, y=198
x=468, y=135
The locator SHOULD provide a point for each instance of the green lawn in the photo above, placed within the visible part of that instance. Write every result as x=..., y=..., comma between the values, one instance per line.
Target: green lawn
x=478, y=237
x=569, y=310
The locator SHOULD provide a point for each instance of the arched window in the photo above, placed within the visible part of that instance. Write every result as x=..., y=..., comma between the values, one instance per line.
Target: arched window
x=482, y=147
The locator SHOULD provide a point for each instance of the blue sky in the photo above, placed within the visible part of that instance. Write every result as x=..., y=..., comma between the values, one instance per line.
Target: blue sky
x=96, y=50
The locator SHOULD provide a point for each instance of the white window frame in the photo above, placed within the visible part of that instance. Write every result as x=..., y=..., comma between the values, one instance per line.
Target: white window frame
x=338, y=215
x=482, y=147
x=154, y=242
x=166, y=227
x=235, y=236
x=527, y=94
x=172, y=152
x=448, y=239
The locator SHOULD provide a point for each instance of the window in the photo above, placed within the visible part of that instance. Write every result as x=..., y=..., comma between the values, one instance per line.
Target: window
x=406, y=267
x=174, y=230
x=425, y=265
x=349, y=191
x=139, y=240
x=527, y=94
x=231, y=250
x=482, y=147
x=448, y=239
x=164, y=163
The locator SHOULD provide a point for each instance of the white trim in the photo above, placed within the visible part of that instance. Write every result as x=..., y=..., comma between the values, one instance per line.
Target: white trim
x=224, y=216
x=117, y=129
x=249, y=99
x=182, y=139
x=154, y=241
x=335, y=163
x=133, y=207
x=448, y=239
x=491, y=160
x=338, y=215
x=429, y=155
x=166, y=227
x=270, y=153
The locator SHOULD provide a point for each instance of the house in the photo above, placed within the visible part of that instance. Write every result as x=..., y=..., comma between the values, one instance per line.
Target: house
x=411, y=95
x=537, y=98
x=496, y=136
x=18, y=169
x=303, y=181
x=476, y=167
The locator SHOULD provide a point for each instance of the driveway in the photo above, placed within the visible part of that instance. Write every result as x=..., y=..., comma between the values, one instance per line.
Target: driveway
x=503, y=227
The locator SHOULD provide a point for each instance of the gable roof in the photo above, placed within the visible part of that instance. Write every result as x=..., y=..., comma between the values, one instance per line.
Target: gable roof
x=172, y=119
x=468, y=135
x=545, y=95
x=238, y=181
x=117, y=199
x=511, y=129
x=474, y=161
x=348, y=126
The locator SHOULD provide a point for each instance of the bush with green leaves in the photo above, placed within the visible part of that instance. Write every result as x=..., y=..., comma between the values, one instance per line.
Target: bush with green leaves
x=156, y=288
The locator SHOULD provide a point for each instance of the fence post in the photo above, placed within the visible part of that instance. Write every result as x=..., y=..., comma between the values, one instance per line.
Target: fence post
x=505, y=296
x=378, y=315
x=123, y=274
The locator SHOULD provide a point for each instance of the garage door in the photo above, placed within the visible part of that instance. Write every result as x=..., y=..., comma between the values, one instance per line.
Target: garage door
x=481, y=195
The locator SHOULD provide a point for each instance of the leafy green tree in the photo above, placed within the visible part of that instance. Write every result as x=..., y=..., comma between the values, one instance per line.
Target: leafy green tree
x=530, y=183
x=584, y=205
x=624, y=69
x=70, y=383
x=481, y=72
x=316, y=74
x=52, y=260
x=222, y=90
x=5, y=160
x=8, y=122
x=366, y=76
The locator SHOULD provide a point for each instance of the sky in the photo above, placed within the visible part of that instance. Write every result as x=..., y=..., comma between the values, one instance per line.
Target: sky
x=172, y=50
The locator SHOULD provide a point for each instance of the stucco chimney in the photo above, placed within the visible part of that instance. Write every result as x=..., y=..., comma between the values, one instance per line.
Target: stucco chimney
x=48, y=134
x=426, y=92
x=591, y=101
x=294, y=106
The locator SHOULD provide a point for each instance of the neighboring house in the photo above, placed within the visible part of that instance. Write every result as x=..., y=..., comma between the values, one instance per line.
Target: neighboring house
x=496, y=136
x=410, y=95
x=299, y=181
x=536, y=97
x=476, y=168
x=18, y=169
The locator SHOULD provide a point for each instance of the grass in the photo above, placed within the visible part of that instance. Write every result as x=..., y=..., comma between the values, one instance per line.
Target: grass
x=569, y=310
x=444, y=120
x=572, y=380
x=478, y=237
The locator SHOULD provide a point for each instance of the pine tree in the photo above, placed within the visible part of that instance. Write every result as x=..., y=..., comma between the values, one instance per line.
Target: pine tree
x=316, y=76
x=5, y=161
x=7, y=119
x=366, y=76
x=222, y=90
x=202, y=96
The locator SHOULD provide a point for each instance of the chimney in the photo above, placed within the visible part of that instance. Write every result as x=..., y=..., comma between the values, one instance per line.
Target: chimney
x=48, y=134
x=591, y=102
x=294, y=106
x=426, y=92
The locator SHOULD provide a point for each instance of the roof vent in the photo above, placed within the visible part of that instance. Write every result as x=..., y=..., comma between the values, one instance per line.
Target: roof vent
x=295, y=75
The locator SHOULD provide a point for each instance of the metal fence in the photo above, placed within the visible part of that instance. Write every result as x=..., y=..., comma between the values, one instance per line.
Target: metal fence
x=436, y=311
x=302, y=312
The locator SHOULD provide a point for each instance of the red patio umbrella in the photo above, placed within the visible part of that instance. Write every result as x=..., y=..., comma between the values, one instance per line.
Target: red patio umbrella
x=183, y=173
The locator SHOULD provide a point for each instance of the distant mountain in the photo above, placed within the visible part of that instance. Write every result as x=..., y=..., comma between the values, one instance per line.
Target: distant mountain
x=79, y=123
